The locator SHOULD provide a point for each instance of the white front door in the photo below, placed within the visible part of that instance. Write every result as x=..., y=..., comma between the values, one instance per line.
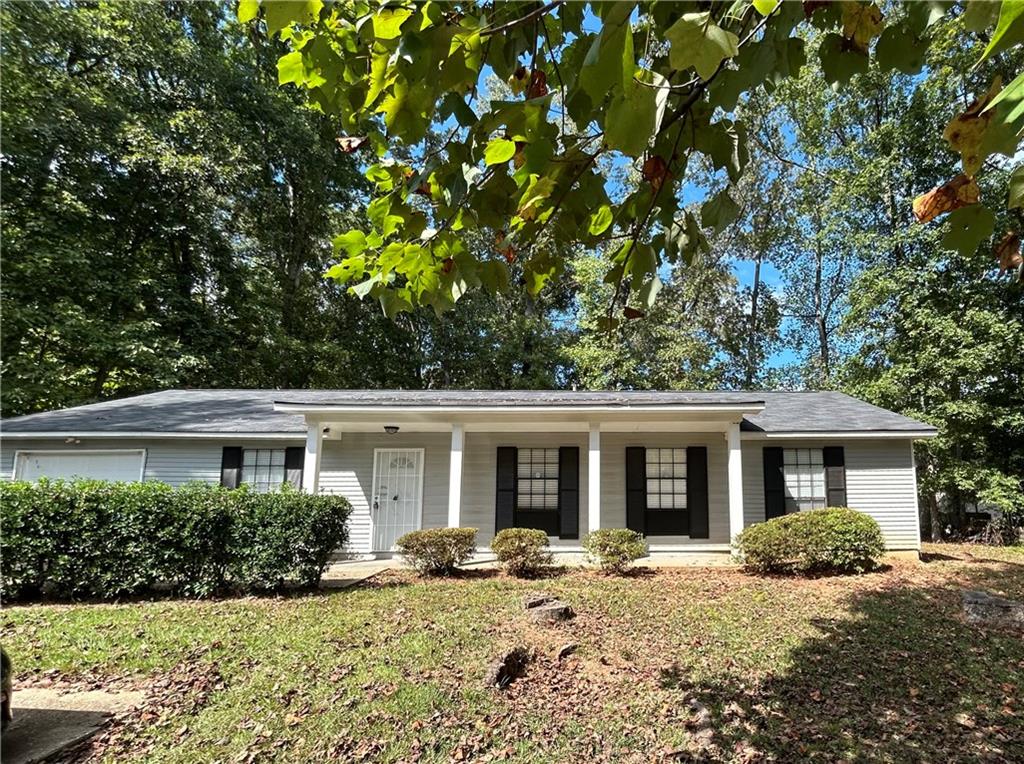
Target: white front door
x=397, y=502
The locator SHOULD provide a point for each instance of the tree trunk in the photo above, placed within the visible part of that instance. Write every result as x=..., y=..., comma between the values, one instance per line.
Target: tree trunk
x=755, y=293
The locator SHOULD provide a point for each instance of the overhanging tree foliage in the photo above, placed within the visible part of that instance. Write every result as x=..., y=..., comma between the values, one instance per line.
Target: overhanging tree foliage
x=654, y=85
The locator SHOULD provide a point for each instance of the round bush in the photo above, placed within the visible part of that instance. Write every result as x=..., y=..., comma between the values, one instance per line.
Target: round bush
x=522, y=552
x=437, y=551
x=832, y=540
x=613, y=549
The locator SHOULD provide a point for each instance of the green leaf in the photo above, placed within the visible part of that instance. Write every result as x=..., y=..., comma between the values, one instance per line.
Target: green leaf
x=283, y=13
x=837, y=64
x=248, y=10
x=979, y=15
x=1009, y=103
x=968, y=227
x=1016, y=189
x=603, y=68
x=1009, y=30
x=291, y=68
x=498, y=151
x=630, y=120
x=649, y=291
x=387, y=23
x=696, y=41
x=719, y=211
x=600, y=219
x=765, y=7
x=898, y=48
x=353, y=242
x=494, y=276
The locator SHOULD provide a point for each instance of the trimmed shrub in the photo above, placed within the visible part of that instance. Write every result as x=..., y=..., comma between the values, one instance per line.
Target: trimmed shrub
x=284, y=536
x=99, y=539
x=522, y=552
x=437, y=551
x=614, y=549
x=832, y=540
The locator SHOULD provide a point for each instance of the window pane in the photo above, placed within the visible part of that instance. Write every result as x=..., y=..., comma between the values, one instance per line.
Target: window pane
x=679, y=470
x=654, y=501
x=277, y=457
x=678, y=486
x=248, y=457
x=652, y=487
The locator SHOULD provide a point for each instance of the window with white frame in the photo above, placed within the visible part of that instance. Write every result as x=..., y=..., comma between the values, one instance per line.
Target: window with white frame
x=537, y=474
x=666, y=478
x=263, y=468
x=804, y=470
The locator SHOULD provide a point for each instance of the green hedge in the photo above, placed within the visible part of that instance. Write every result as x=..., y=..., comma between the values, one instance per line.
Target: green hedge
x=99, y=539
x=832, y=540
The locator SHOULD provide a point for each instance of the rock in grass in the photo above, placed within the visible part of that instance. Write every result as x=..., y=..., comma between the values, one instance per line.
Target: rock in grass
x=551, y=612
x=987, y=609
x=566, y=650
x=509, y=667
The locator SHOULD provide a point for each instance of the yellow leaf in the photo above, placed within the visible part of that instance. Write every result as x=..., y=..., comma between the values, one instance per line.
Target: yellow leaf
x=862, y=22
x=965, y=132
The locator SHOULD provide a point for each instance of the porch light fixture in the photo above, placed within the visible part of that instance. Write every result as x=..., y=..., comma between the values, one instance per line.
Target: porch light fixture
x=391, y=429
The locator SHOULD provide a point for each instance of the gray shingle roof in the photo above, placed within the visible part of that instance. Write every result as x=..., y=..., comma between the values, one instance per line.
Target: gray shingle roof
x=252, y=411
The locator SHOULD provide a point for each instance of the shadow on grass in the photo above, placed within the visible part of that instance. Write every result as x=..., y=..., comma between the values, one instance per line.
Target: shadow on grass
x=899, y=677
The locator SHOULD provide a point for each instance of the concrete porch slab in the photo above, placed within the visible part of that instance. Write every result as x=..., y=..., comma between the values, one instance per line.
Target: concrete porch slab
x=47, y=721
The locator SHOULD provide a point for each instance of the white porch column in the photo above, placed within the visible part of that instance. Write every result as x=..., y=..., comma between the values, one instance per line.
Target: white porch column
x=311, y=464
x=455, y=476
x=735, y=481
x=594, y=479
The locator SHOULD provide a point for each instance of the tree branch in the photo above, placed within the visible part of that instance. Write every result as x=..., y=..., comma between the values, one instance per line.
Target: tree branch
x=544, y=9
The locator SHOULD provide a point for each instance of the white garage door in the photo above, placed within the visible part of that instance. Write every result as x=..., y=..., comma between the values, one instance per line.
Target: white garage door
x=99, y=465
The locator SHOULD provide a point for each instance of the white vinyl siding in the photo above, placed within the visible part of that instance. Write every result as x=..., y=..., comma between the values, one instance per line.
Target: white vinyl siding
x=346, y=469
x=613, y=481
x=174, y=461
x=479, y=476
x=879, y=482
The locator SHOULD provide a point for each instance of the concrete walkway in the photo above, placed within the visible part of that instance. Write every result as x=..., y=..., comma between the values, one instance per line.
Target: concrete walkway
x=47, y=721
x=341, y=575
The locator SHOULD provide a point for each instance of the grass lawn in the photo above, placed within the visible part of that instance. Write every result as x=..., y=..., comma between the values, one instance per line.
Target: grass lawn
x=876, y=667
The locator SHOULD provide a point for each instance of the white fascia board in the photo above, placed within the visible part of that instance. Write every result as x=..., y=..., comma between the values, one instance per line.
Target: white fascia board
x=848, y=434
x=127, y=435
x=682, y=408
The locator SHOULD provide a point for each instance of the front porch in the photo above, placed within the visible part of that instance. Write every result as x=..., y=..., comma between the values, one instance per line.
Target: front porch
x=562, y=470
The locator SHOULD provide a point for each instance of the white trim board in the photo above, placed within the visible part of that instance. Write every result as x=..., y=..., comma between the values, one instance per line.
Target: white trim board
x=826, y=434
x=78, y=451
x=296, y=436
x=323, y=410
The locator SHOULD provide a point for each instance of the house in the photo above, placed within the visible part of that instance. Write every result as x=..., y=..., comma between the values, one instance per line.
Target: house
x=687, y=469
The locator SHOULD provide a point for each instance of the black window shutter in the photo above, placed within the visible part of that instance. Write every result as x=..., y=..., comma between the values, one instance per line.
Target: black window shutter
x=505, y=504
x=834, y=459
x=636, y=488
x=569, y=492
x=697, y=491
x=294, y=459
x=774, y=484
x=231, y=466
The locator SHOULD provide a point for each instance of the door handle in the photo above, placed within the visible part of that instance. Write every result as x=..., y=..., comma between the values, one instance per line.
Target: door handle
x=395, y=497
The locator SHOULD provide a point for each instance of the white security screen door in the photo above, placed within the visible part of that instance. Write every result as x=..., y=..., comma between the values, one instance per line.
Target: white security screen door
x=124, y=465
x=397, y=502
